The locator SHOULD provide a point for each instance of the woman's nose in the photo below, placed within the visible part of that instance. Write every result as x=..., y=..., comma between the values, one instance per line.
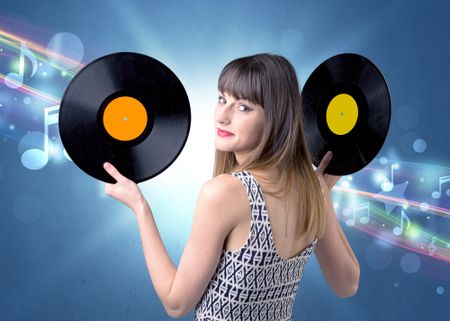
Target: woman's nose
x=223, y=114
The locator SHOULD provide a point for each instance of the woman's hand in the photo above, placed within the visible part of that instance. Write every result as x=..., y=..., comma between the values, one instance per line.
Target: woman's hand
x=125, y=190
x=327, y=179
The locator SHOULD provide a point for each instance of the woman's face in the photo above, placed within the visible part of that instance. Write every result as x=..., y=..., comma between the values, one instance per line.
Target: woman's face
x=243, y=119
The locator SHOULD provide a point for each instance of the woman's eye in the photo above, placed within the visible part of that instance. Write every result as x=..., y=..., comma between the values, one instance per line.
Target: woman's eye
x=222, y=100
x=243, y=108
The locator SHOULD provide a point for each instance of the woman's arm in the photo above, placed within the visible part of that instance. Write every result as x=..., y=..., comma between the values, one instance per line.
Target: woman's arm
x=216, y=213
x=159, y=264
x=336, y=258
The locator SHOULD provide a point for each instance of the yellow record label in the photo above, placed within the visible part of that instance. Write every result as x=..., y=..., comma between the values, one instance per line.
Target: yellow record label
x=342, y=114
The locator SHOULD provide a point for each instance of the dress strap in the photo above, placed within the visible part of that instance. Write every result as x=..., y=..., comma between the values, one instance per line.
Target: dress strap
x=254, y=193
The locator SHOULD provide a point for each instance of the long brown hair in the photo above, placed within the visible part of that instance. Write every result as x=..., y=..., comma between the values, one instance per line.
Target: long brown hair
x=271, y=82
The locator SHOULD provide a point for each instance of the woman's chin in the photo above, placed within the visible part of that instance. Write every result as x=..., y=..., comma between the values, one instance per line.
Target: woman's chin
x=223, y=148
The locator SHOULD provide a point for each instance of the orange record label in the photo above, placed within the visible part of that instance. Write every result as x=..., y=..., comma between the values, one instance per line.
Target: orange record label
x=125, y=118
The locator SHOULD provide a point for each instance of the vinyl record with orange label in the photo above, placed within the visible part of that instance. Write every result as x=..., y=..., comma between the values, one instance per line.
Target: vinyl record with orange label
x=128, y=109
x=346, y=109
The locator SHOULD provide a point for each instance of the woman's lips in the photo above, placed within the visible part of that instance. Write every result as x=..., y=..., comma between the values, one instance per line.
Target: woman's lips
x=223, y=133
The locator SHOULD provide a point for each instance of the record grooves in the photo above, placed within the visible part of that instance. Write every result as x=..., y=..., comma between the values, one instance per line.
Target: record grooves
x=346, y=109
x=128, y=109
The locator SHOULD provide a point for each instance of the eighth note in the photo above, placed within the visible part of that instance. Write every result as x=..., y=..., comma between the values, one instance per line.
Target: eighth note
x=15, y=80
x=399, y=230
x=389, y=185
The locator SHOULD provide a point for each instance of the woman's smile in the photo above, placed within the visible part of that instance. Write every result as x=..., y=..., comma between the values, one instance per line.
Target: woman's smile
x=223, y=133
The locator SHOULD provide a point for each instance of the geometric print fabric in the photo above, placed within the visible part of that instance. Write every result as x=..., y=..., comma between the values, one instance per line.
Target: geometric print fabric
x=253, y=283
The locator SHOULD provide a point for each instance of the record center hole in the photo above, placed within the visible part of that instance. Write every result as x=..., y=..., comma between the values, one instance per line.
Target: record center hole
x=125, y=118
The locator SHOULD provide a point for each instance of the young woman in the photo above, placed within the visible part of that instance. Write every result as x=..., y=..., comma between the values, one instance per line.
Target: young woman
x=262, y=214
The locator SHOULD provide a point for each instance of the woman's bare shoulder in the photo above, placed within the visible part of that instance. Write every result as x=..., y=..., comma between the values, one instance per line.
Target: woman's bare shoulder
x=227, y=192
x=223, y=185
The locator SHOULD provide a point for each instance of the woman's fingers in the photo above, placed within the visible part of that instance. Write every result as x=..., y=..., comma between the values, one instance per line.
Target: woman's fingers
x=324, y=162
x=113, y=172
x=330, y=180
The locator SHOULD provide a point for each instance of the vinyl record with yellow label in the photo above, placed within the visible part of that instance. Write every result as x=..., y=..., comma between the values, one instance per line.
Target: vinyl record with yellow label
x=346, y=109
x=128, y=109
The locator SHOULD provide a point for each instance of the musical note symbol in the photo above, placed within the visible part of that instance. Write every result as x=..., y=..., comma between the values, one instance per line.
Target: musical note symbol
x=431, y=246
x=15, y=80
x=360, y=207
x=36, y=158
x=442, y=180
x=388, y=185
x=399, y=230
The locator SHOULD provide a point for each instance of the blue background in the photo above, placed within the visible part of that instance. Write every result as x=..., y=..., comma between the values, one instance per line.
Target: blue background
x=77, y=253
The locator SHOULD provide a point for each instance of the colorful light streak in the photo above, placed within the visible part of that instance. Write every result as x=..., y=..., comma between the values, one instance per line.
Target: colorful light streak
x=381, y=225
x=12, y=41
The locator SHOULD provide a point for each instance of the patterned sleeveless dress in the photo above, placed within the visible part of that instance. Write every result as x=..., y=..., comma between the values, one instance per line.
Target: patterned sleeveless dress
x=253, y=283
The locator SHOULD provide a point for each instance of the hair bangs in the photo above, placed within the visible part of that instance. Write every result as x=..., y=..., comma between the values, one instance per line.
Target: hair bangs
x=242, y=81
